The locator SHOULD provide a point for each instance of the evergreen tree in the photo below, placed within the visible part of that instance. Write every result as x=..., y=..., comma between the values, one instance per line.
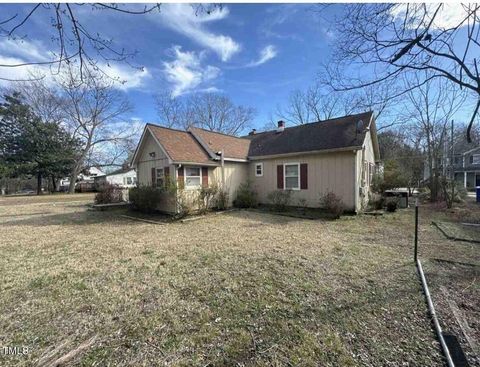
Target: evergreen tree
x=30, y=146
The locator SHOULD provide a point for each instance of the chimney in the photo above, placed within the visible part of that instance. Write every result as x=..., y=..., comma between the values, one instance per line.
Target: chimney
x=281, y=126
x=253, y=132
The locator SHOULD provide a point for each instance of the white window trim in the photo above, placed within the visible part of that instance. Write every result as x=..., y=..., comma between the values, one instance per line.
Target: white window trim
x=157, y=176
x=475, y=158
x=285, y=176
x=185, y=178
x=261, y=168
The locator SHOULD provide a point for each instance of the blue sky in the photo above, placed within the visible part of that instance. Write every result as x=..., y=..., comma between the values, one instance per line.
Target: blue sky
x=256, y=54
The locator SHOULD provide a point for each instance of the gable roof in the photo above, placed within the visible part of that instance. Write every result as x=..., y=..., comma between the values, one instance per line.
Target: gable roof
x=213, y=142
x=179, y=145
x=335, y=134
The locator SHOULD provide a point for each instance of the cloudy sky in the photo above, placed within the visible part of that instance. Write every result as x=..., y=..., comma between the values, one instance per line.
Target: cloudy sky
x=256, y=54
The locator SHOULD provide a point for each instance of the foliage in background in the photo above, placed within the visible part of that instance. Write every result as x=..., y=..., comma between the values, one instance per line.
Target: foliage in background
x=332, y=204
x=280, y=199
x=109, y=194
x=246, y=196
x=393, y=177
x=30, y=146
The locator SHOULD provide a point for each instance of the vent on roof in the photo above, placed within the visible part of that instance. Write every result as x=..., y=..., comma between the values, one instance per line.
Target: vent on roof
x=253, y=132
x=281, y=126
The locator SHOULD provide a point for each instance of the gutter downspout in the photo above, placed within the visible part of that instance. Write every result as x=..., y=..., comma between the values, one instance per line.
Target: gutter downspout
x=222, y=164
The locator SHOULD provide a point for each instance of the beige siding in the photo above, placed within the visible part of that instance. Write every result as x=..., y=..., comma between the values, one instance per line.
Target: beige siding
x=144, y=166
x=236, y=173
x=326, y=172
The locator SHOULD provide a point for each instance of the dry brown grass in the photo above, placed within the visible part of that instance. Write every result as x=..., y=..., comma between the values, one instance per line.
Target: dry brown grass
x=240, y=288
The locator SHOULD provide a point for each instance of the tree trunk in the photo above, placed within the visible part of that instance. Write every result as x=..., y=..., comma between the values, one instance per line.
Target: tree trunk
x=54, y=184
x=39, y=183
x=73, y=179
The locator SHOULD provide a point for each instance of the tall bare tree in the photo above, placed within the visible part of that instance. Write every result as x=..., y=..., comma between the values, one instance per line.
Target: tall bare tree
x=384, y=42
x=430, y=109
x=210, y=111
x=94, y=114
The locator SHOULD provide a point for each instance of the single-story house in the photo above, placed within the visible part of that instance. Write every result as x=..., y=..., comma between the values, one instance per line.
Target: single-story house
x=337, y=155
x=125, y=177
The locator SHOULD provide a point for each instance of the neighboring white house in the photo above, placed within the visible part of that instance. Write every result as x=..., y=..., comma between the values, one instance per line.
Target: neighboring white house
x=84, y=179
x=125, y=177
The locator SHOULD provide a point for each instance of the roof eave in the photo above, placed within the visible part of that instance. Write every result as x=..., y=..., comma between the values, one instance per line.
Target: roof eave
x=308, y=152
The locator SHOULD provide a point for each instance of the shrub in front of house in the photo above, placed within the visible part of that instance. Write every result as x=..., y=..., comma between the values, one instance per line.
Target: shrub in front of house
x=145, y=198
x=108, y=194
x=391, y=206
x=332, y=204
x=221, y=202
x=246, y=196
x=206, y=197
x=280, y=199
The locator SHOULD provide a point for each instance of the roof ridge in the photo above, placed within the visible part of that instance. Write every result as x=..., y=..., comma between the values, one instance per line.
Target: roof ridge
x=316, y=122
x=218, y=132
x=167, y=128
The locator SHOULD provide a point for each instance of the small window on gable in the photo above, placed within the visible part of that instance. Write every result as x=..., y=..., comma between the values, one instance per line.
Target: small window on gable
x=160, y=177
x=259, y=169
x=292, y=176
x=193, y=179
x=475, y=159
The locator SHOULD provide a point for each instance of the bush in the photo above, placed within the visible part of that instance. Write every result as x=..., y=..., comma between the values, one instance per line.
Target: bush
x=222, y=200
x=108, y=194
x=391, y=206
x=333, y=204
x=145, y=198
x=246, y=196
x=377, y=201
x=280, y=199
x=206, y=196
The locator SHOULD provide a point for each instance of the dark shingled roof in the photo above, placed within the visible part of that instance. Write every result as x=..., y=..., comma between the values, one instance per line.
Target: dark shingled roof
x=338, y=133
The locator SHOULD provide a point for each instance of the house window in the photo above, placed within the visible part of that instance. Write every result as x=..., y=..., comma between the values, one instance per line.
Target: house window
x=259, y=169
x=292, y=176
x=372, y=170
x=193, y=177
x=160, y=177
x=475, y=159
x=128, y=180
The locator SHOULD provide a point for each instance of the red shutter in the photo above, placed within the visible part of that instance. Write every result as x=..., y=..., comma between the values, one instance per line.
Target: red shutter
x=180, y=180
x=204, y=176
x=303, y=176
x=166, y=172
x=280, y=177
x=154, y=177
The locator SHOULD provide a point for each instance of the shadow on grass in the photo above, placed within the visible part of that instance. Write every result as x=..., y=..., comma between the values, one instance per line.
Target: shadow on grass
x=76, y=218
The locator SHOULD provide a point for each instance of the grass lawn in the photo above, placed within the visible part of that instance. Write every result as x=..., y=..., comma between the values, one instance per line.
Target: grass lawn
x=241, y=288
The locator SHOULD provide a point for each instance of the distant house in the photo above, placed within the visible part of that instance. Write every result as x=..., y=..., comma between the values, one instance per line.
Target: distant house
x=337, y=155
x=125, y=177
x=467, y=168
x=85, y=180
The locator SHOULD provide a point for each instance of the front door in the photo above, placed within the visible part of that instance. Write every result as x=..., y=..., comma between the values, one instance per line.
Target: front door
x=477, y=179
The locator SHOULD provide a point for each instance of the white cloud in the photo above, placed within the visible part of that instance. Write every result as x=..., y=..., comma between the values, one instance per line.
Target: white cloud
x=183, y=19
x=14, y=52
x=33, y=51
x=267, y=53
x=186, y=71
x=125, y=76
x=450, y=14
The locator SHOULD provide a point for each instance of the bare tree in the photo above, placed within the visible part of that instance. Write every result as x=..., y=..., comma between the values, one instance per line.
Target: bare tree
x=319, y=102
x=210, y=111
x=386, y=41
x=93, y=111
x=430, y=109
